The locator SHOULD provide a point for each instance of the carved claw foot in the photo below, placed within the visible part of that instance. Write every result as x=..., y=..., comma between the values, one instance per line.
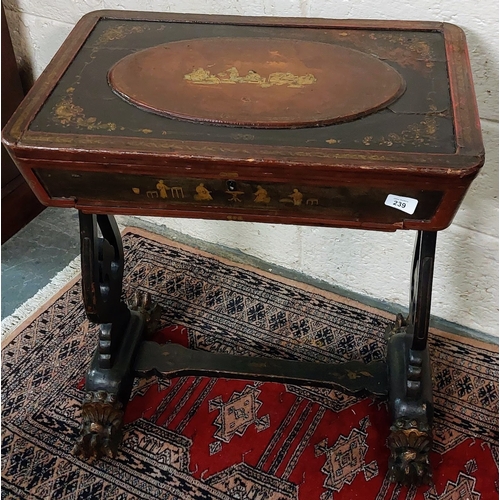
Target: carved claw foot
x=141, y=302
x=101, y=431
x=398, y=326
x=410, y=442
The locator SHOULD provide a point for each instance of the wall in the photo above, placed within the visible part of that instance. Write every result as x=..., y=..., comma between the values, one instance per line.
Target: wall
x=373, y=264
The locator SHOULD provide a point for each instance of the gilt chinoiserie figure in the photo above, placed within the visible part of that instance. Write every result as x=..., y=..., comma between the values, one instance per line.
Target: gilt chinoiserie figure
x=339, y=123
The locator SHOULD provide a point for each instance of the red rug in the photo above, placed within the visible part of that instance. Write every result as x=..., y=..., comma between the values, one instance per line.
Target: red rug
x=204, y=438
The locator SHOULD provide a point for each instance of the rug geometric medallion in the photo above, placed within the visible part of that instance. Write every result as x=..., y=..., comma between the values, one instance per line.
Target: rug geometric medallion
x=206, y=438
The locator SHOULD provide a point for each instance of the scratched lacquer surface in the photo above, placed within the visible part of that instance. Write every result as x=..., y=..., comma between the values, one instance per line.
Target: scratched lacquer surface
x=287, y=121
x=414, y=116
x=256, y=82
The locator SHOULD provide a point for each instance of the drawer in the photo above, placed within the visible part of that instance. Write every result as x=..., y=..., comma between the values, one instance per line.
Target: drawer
x=229, y=196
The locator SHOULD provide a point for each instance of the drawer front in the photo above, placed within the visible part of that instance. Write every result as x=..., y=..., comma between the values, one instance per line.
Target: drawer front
x=353, y=203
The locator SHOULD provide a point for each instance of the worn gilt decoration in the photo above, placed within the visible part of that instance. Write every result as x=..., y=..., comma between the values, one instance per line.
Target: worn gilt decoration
x=350, y=124
x=66, y=110
x=423, y=123
x=202, y=76
x=142, y=302
x=325, y=202
x=417, y=133
x=207, y=437
x=101, y=432
x=67, y=113
x=256, y=82
x=410, y=443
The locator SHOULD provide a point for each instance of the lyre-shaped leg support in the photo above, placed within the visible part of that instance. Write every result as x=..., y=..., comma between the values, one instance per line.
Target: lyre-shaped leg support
x=410, y=384
x=109, y=380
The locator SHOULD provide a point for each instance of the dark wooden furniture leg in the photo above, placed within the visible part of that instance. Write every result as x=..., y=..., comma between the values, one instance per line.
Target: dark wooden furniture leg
x=410, y=384
x=406, y=377
x=109, y=380
x=120, y=355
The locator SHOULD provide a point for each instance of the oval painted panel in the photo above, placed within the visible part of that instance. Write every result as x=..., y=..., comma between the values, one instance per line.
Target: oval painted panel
x=256, y=82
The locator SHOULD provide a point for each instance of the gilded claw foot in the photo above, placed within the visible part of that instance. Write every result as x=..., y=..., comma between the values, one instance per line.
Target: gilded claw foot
x=101, y=432
x=410, y=443
x=141, y=302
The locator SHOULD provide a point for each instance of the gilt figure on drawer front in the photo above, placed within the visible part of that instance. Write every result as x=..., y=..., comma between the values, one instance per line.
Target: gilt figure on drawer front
x=355, y=124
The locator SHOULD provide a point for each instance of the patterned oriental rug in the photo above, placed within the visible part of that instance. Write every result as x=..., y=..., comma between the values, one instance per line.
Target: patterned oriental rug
x=203, y=438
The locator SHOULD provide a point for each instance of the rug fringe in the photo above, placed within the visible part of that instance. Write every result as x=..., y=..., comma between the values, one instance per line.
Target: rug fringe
x=25, y=310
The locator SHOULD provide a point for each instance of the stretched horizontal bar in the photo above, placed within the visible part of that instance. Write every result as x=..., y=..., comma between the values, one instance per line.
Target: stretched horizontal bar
x=173, y=360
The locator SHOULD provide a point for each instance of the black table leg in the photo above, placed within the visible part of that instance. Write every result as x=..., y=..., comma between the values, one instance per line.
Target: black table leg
x=109, y=380
x=410, y=384
x=119, y=356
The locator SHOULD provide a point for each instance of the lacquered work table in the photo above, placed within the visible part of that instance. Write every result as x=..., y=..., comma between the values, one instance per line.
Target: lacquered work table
x=358, y=124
